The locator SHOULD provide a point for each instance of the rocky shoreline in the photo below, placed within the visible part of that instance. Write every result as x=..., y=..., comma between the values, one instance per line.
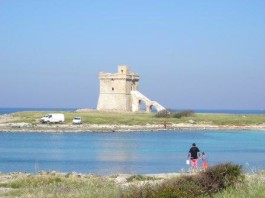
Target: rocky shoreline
x=26, y=127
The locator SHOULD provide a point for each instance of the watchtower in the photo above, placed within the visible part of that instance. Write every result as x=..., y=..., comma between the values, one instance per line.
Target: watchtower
x=115, y=90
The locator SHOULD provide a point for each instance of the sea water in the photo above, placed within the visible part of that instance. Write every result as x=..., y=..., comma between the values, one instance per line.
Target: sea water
x=14, y=110
x=127, y=152
x=225, y=111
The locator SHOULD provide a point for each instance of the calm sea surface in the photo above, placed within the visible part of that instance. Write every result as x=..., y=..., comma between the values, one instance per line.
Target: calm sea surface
x=121, y=152
x=13, y=110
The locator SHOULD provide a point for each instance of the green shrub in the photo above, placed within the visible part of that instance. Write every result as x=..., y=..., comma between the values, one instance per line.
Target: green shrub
x=219, y=177
x=186, y=113
x=205, y=183
x=163, y=113
x=183, y=187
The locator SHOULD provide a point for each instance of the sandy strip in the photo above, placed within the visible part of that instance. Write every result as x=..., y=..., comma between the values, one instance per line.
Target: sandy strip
x=26, y=127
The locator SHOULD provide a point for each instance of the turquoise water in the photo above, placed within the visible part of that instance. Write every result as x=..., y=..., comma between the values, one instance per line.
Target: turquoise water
x=121, y=152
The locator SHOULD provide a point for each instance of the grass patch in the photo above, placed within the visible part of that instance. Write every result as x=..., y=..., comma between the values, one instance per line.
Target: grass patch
x=60, y=186
x=103, y=118
x=221, y=181
x=141, y=178
x=254, y=186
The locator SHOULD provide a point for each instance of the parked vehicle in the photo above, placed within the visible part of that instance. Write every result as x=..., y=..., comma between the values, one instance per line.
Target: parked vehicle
x=53, y=118
x=77, y=120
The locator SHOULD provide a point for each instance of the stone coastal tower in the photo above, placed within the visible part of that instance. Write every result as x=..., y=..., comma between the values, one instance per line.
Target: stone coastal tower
x=115, y=89
x=119, y=92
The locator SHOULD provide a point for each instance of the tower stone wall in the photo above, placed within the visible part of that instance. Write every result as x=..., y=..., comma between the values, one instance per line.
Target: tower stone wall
x=115, y=90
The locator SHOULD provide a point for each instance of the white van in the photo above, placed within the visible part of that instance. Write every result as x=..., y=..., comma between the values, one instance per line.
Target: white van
x=53, y=118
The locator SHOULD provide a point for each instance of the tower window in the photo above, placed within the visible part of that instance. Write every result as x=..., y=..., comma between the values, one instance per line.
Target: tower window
x=112, y=88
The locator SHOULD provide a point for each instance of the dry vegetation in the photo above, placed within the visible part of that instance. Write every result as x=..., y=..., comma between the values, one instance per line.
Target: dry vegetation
x=223, y=180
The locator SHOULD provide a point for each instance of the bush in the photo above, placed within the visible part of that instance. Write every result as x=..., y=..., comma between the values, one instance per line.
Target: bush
x=205, y=183
x=165, y=113
x=181, y=114
x=221, y=176
x=183, y=187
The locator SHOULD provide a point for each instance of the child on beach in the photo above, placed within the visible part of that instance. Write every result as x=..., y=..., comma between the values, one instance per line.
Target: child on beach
x=204, y=161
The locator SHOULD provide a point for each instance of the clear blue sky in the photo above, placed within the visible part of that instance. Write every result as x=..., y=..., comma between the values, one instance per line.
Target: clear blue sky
x=192, y=54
